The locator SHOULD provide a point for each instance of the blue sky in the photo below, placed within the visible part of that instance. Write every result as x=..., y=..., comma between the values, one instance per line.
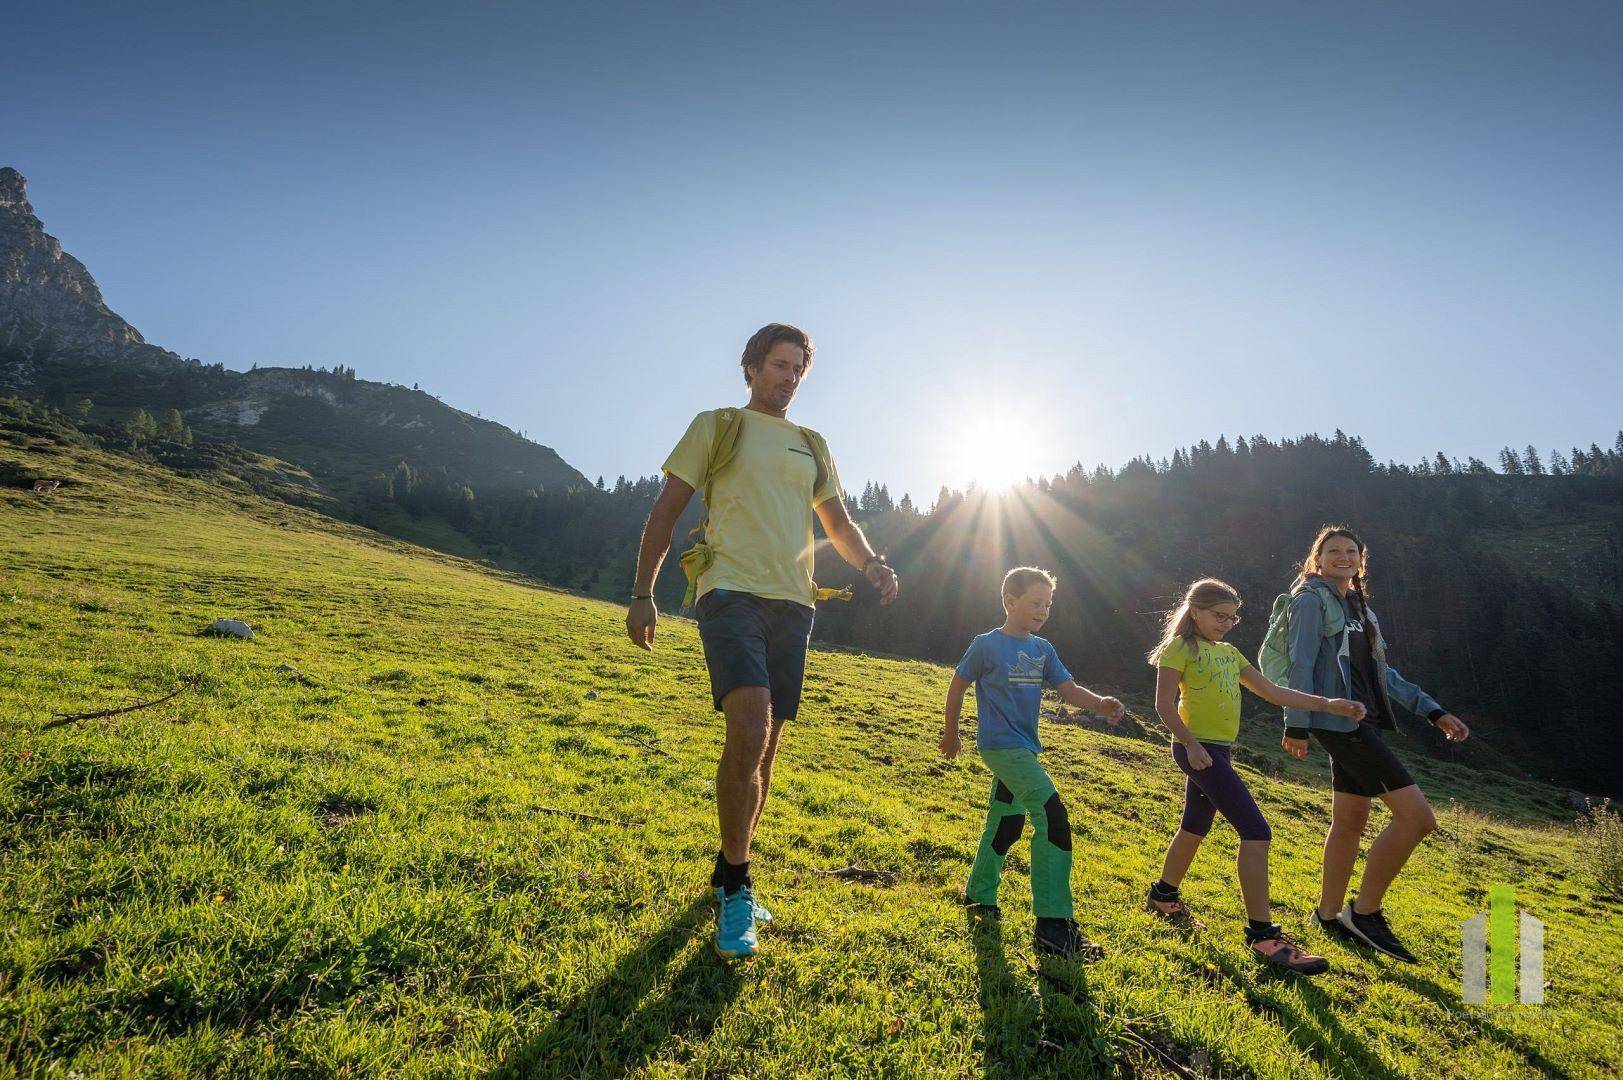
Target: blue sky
x=1021, y=238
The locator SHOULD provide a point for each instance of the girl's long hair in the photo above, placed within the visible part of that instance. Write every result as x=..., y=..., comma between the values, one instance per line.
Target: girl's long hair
x=1180, y=624
x=1309, y=566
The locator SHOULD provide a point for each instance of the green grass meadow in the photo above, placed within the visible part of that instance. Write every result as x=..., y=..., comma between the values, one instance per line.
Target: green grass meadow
x=336, y=853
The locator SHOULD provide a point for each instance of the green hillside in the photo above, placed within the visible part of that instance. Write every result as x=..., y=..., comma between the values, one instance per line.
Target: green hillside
x=345, y=847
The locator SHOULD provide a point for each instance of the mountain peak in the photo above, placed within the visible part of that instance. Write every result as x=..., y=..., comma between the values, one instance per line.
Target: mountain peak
x=14, y=190
x=50, y=306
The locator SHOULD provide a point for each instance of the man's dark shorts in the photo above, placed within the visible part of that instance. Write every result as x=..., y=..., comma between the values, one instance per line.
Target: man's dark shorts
x=1361, y=763
x=749, y=641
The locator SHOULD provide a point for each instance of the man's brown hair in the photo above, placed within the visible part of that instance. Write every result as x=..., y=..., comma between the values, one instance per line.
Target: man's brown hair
x=761, y=342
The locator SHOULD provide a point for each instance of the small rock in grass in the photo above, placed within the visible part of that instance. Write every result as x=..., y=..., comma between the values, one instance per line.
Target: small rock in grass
x=231, y=628
x=591, y=695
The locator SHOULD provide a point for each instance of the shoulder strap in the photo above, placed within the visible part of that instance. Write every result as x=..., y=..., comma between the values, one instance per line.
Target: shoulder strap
x=1335, y=619
x=724, y=440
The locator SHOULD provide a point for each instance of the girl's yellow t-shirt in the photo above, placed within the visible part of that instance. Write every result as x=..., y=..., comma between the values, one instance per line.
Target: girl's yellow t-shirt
x=1209, y=689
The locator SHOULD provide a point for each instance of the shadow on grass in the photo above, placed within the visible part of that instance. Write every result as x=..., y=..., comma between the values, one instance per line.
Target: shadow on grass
x=1451, y=1001
x=1053, y=1034
x=1309, y=1020
x=617, y=1025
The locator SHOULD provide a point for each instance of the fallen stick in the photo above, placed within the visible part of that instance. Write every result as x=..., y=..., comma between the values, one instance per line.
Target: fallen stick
x=862, y=873
x=1131, y=1036
x=587, y=817
x=73, y=718
x=650, y=746
x=1166, y=1059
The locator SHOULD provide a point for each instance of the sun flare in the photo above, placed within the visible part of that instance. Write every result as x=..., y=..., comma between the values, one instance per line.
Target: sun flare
x=993, y=457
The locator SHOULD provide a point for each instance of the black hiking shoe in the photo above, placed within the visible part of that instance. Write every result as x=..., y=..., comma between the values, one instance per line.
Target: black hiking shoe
x=1372, y=930
x=1062, y=937
x=988, y=911
x=1333, y=929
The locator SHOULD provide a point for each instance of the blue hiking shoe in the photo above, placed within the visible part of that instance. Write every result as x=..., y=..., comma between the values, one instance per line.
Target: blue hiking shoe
x=762, y=915
x=735, y=925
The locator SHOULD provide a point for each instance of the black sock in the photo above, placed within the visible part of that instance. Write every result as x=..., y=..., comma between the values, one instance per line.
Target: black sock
x=1163, y=890
x=715, y=875
x=1255, y=928
x=734, y=877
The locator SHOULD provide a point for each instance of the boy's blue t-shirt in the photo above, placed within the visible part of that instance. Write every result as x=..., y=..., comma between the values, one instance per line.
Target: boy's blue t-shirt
x=1009, y=674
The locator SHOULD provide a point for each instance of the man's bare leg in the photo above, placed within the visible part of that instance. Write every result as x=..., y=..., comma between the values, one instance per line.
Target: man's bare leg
x=738, y=777
x=767, y=758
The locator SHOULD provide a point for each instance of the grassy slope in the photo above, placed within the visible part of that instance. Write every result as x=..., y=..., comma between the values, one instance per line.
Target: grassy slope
x=347, y=869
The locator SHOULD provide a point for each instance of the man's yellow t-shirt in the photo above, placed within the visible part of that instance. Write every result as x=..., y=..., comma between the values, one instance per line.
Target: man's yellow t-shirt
x=761, y=509
x=1209, y=690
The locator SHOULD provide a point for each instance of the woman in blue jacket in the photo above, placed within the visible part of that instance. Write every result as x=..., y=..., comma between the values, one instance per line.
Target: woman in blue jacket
x=1336, y=650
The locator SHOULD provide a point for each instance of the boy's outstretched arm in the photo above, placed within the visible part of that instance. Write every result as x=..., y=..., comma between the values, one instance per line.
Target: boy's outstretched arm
x=1271, y=692
x=1083, y=698
x=950, y=742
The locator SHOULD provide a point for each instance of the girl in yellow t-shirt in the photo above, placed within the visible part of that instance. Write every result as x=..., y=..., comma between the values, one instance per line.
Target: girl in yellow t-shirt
x=1197, y=694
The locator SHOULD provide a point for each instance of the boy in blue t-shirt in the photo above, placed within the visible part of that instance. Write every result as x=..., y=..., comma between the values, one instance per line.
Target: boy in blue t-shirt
x=1009, y=667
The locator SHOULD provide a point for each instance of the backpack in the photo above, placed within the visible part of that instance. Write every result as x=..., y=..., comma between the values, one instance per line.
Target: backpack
x=1273, y=659
x=729, y=432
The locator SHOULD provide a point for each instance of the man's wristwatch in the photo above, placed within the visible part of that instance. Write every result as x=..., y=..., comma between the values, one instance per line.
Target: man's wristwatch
x=871, y=559
x=642, y=596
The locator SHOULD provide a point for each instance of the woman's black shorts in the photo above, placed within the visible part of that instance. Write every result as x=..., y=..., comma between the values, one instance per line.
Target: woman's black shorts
x=1361, y=763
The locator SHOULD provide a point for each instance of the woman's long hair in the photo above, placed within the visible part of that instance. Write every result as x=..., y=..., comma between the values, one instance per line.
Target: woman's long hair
x=1309, y=566
x=1180, y=624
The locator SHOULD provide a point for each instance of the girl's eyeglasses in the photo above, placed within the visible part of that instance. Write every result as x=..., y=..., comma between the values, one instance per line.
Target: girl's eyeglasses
x=1226, y=620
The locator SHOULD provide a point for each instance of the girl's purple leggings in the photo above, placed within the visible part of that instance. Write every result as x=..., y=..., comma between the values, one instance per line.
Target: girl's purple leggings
x=1218, y=788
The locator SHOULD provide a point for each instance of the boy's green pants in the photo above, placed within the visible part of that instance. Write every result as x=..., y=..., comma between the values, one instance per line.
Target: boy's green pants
x=1020, y=785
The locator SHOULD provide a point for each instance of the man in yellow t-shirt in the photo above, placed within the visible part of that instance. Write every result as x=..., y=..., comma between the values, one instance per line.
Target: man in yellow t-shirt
x=755, y=599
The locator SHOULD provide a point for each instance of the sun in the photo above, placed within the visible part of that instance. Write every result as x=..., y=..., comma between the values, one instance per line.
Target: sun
x=993, y=456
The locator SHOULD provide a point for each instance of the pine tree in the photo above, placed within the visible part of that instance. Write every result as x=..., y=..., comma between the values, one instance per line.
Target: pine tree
x=81, y=410
x=1510, y=462
x=173, y=429
x=1531, y=462
x=140, y=427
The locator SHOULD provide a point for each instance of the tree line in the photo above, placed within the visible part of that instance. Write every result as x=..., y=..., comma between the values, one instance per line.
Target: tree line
x=1500, y=590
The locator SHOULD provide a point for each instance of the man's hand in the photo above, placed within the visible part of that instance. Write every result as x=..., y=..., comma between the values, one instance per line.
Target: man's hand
x=640, y=622
x=1112, y=710
x=1297, y=747
x=1199, y=756
x=950, y=743
x=884, y=579
x=1453, y=728
x=1353, y=710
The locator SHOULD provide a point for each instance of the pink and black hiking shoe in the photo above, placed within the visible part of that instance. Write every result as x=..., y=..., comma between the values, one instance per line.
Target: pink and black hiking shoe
x=1170, y=906
x=1277, y=950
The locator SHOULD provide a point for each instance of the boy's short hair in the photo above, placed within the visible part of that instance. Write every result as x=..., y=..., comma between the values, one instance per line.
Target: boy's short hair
x=1021, y=578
